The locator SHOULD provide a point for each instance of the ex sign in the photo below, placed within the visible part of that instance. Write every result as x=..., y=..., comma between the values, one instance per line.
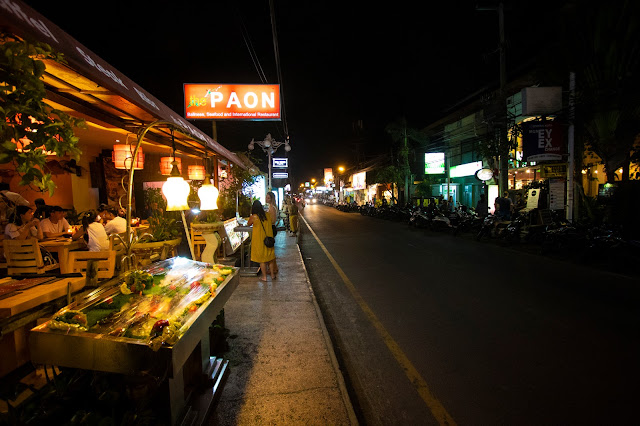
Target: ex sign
x=542, y=141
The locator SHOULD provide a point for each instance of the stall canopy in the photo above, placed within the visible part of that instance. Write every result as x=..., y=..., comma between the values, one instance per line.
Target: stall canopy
x=87, y=86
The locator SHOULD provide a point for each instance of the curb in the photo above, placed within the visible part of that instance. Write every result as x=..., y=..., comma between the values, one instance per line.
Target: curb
x=327, y=340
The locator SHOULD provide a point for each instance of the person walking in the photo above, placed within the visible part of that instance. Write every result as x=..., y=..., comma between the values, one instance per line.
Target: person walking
x=293, y=219
x=273, y=214
x=260, y=253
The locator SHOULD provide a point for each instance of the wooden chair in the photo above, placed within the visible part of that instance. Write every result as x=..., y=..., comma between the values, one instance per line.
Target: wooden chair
x=80, y=261
x=24, y=257
x=116, y=244
x=198, y=243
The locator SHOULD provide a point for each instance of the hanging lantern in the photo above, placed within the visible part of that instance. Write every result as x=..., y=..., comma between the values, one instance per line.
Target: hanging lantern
x=123, y=157
x=166, y=165
x=196, y=172
x=208, y=195
x=176, y=191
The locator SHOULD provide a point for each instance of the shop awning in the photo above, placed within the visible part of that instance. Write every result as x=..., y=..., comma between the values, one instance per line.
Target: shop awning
x=91, y=87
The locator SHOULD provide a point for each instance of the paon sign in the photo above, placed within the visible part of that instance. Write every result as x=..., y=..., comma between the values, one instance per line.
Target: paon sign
x=543, y=141
x=259, y=102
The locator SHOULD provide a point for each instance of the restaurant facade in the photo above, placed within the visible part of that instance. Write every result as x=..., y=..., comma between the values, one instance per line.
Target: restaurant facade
x=115, y=109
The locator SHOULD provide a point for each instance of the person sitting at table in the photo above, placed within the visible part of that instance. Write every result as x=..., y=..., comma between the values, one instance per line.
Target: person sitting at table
x=114, y=224
x=42, y=209
x=93, y=232
x=56, y=225
x=23, y=225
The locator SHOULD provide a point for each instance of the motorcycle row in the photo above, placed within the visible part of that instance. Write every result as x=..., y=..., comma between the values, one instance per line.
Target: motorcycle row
x=553, y=235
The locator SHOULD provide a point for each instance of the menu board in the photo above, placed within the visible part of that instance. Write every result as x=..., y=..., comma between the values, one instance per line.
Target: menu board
x=234, y=239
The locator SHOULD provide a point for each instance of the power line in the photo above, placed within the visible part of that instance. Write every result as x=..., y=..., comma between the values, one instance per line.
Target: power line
x=277, y=54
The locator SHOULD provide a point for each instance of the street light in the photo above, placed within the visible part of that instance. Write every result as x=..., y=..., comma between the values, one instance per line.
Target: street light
x=270, y=146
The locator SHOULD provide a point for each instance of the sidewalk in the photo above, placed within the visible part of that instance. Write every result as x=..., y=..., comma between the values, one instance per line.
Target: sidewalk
x=282, y=366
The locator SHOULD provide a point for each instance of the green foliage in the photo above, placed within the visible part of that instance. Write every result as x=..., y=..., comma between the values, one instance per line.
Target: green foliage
x=154, y=201
x=234, y=185
x=25, y=115
x=162, y=227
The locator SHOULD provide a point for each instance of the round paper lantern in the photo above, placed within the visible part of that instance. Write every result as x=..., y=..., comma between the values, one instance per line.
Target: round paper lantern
x=208, y=195
x=176, y=191
x=122, y=157
x=166, y=164
x=196, y=172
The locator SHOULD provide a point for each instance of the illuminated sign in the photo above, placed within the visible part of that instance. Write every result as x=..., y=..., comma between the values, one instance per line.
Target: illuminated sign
x=468, y=169
x=280, y=163
x=484, y=174
x=543, y=141
x=328, y=175
x=280, y=175
x=232, y=101
x=359, y=180
x=434, y=163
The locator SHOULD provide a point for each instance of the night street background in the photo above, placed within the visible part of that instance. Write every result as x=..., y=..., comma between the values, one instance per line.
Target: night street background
x=341, y=62
x=499, y=335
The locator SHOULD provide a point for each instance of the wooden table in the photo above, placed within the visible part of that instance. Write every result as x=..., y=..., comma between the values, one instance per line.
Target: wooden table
x=63, y=246
x=14, y=348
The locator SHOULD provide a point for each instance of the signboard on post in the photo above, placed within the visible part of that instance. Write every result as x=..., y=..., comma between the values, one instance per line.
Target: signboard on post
x=258, y=102
x=553, y=170
x=280, y=163
x=543, y=141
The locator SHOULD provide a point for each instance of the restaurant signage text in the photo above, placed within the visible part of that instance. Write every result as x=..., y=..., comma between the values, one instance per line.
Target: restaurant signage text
x=232, y=101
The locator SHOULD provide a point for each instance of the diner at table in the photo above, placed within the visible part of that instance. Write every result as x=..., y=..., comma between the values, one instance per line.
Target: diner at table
x=22, y=225
x=56, y=225
x=93, y=232
x=113, y=224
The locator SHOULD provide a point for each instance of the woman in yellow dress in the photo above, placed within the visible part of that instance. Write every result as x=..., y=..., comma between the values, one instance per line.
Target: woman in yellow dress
x=259, y=252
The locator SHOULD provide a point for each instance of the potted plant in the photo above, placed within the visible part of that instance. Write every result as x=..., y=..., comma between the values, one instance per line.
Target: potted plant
x=160, y=240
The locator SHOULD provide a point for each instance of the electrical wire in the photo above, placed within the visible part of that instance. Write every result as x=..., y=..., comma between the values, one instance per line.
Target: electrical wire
x=279, y=70
x=250, y=48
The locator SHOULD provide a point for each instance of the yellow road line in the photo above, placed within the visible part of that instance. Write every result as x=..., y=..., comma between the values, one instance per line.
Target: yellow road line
x=438, y=411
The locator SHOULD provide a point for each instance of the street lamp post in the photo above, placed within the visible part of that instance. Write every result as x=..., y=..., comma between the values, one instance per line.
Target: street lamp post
x=270, y=146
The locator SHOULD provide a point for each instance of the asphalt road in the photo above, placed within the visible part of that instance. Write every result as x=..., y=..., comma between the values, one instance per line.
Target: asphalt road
x=431, y=328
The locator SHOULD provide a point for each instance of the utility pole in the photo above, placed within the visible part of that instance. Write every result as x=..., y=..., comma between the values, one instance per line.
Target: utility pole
x=503, y=178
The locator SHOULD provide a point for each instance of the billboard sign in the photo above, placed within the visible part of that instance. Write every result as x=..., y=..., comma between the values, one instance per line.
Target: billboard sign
x=434, y=163
x=359, y=180
x=280, y=163
x=542, y=141
x=328, y=175
x=467, y=169
x=258, y=102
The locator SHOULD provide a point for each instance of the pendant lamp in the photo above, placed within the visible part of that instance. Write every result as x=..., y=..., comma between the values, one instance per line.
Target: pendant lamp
x=208, y=193
x=166, y=165
x=196, y=172
x=175, y=189
x=122, y=157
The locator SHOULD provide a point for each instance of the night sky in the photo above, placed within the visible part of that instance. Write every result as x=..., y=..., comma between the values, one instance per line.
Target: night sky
x=341, y=61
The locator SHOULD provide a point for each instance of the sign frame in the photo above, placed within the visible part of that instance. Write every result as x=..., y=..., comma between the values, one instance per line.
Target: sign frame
x=237, y=102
